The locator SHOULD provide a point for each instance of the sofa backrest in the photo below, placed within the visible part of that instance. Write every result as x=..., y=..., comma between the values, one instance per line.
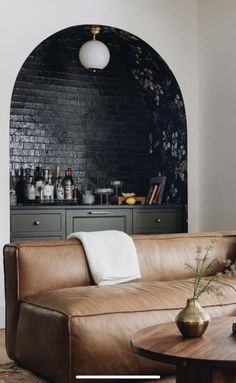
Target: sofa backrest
x=164, y=257
x=46, y=265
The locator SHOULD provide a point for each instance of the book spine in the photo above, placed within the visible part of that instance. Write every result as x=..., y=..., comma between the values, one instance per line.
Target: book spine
x=161, y=190
x=153, y=194
x=149, y=194
x=155, y=198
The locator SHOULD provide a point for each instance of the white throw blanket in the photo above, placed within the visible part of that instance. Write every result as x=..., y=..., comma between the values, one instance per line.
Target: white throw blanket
x=111, y=256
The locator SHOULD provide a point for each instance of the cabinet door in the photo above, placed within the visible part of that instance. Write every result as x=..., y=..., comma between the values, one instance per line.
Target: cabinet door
x=37, y=224
x=99, y=219
x=157, y=220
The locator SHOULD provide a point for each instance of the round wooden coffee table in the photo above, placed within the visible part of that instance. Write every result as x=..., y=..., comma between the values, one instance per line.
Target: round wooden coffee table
x=210, y=358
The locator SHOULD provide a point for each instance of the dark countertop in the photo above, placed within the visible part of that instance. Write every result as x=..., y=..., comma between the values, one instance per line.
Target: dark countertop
x=47, y=206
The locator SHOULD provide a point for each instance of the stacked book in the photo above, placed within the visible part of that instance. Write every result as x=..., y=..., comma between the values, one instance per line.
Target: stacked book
x=156, y=191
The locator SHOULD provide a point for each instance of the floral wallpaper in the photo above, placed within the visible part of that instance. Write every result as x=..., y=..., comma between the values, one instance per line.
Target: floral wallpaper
x=162, y=95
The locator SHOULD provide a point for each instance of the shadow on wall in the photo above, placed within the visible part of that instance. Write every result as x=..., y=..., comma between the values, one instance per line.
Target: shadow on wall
x=125, y=122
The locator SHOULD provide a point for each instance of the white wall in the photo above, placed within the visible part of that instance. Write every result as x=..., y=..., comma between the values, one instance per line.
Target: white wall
x=217, y=102
x=169, y=26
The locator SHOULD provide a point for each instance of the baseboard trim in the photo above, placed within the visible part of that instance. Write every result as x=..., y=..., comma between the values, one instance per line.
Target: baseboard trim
x=2, y=314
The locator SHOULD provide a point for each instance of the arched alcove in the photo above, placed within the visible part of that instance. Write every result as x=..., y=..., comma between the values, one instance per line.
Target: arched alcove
x=126, y=122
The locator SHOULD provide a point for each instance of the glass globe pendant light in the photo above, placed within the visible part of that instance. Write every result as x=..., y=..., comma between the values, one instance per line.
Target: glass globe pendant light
x=94, y=54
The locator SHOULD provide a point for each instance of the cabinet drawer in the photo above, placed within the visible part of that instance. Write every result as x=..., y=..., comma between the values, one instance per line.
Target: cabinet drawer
x=156, y=221
x=37, y=222
x=99, y=219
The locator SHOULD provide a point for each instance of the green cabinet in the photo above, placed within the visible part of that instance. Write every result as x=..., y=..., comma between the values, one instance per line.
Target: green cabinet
x=99, y=219
x=58, y=222
x=37, y=224
x=157, y=221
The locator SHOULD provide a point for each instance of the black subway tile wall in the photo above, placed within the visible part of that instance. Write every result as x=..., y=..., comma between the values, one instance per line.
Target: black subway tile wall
x=106, y=124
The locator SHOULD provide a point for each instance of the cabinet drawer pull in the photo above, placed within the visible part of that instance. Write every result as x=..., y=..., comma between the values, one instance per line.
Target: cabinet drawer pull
x=158, y=220
x=36, y=223
x=98, y=212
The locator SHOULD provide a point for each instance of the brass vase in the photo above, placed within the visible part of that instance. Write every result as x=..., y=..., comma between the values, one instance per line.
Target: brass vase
x=193, y=320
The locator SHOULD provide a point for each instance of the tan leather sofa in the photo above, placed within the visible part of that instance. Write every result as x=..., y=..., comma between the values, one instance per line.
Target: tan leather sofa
x=59, y=324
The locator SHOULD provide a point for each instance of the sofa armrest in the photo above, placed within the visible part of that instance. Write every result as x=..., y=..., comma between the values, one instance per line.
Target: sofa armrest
x=31, y=267
x=11, y=298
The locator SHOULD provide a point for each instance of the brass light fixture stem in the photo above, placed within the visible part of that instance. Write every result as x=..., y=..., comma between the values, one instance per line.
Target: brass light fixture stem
x=95, y=31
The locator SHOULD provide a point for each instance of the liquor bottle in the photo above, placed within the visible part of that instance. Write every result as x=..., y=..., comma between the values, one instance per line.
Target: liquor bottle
x=68, y=184
x=51, y=185
x=57, y=179
x=48, y=188
x=39, y=182
x=57, y=173
x=59, y=190
x=12, y=188
x=77, y=197
x=21, y=188
x=30, y=188
x=76, y=194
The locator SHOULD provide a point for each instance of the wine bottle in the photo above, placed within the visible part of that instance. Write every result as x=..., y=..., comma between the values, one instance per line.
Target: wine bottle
x=12, y=188
x=76, y=194
x=51, y=186
x=39, y=182
x=21, y=188
x=46, y=187
x=59, y=190
x=30, y=188
x=57, y=179
x=68, y=184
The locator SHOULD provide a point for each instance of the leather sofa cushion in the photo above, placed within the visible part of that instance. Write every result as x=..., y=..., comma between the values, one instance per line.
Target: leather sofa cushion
x=129, y=297
x=163, y=257
x=96, y=323
x=48, y=265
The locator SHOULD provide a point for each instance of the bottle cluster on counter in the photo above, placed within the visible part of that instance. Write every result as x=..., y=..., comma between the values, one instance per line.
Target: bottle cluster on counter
x=42, y=185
